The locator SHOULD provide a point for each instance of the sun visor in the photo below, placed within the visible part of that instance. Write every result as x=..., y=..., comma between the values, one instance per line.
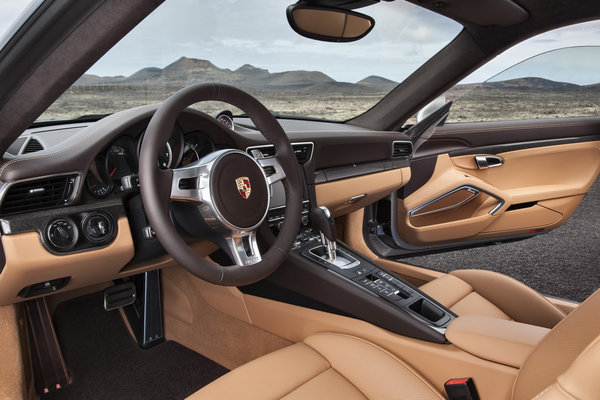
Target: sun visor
x=479, y=12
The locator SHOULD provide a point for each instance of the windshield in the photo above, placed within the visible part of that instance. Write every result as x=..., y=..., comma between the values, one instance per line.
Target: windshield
x=249, y=44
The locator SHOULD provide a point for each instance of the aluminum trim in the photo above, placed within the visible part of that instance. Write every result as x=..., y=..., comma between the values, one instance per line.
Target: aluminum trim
x=471, y=188
x=415, y=211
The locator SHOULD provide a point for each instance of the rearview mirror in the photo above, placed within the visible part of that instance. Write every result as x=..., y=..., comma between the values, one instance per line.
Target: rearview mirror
x=329, y=24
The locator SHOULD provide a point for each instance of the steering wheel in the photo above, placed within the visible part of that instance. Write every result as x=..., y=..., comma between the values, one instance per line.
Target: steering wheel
x=228, y=188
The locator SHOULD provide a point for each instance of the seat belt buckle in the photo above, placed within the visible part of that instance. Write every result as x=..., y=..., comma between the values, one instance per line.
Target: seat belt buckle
x=461, y=389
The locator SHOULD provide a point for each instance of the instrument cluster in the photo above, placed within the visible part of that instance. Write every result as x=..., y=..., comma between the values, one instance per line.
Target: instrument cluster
x=115, y=170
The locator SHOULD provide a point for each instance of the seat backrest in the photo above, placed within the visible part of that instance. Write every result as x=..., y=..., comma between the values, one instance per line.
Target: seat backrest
x=581, y=380
x=558, y=349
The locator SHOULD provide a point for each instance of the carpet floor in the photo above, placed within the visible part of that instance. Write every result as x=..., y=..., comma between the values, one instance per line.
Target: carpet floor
x=105, y=362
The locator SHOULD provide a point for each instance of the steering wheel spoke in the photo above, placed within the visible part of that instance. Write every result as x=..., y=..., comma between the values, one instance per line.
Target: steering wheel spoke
x=243, y=248
x=272, y=162
x=189, y=183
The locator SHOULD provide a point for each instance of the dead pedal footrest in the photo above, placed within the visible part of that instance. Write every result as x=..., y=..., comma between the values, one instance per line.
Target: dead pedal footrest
x=49, y=369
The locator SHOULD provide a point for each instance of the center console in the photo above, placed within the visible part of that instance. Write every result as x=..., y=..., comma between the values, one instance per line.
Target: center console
x=325, y=274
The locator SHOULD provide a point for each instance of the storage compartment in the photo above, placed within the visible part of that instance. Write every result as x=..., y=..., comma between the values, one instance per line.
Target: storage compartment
x=427, y=310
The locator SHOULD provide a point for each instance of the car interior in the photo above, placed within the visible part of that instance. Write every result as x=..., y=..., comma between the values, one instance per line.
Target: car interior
x=163, y=251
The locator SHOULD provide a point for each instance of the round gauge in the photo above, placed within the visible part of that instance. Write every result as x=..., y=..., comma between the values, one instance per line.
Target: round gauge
x=97, y=185
x=196, y=145
x=225, y=120
x=117, y=163
x=165, y=158
x=170, y=156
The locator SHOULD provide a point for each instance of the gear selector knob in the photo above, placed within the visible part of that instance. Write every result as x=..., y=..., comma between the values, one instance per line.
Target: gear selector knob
x=322, y=220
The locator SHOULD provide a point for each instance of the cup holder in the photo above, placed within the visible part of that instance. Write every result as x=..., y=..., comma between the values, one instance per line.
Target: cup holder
x=427, y=310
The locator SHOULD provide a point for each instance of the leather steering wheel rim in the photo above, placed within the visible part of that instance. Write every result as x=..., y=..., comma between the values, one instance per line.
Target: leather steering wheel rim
x=155, y=184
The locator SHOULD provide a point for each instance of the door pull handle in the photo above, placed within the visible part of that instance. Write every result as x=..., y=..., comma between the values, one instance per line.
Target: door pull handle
x=484, y=162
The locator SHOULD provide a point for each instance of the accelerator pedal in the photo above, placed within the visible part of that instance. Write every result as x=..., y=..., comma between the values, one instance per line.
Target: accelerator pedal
x=121, y=295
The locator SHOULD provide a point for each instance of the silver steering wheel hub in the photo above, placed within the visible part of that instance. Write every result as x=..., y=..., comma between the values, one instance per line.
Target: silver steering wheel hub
x=231, y=190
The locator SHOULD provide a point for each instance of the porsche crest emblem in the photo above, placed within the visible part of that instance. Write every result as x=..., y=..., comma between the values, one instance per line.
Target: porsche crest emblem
x=243, y=185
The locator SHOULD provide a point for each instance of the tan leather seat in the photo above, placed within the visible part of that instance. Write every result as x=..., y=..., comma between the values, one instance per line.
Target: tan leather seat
x=324, y=366
x=495, y=295
x=564, y=365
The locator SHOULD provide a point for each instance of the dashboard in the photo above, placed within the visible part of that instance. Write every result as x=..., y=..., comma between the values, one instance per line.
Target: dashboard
x=70, y=206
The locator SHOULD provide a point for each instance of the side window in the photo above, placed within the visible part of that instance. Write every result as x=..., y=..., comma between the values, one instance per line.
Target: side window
x=558, y=82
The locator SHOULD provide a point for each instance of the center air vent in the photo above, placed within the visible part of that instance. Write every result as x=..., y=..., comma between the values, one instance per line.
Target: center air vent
x=38, y=194
x=401, y=149
x=303, y=151
x=32, y=146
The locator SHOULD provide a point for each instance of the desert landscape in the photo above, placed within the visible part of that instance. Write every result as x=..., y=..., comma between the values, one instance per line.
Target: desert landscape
x=316, y=95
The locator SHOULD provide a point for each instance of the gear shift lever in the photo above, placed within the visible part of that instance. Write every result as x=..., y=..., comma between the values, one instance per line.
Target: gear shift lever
x=322, y=220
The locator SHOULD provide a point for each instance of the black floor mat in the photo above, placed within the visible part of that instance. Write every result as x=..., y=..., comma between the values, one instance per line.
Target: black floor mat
x=106, y=363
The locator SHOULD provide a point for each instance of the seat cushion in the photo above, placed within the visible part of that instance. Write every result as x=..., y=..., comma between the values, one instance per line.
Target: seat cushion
x=491, y=294
x=324, y=366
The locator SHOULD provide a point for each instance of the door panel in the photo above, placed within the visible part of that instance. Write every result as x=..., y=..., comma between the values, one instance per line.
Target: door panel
x=535, y=189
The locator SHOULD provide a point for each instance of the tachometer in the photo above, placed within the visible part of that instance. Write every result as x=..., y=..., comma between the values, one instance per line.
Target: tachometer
x=196, y=145
x=170, y=156
x=165, y=158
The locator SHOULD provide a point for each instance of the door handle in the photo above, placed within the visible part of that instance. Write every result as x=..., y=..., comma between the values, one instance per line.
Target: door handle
x=484, y=162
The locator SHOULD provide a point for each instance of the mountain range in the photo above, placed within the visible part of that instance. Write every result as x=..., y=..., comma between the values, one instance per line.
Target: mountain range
x=187, y=70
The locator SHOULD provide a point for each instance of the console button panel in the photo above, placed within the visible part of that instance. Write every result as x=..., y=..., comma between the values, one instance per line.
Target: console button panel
x=381, y=283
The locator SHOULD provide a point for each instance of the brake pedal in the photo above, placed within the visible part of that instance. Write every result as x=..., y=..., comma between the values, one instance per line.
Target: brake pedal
x=121, y=295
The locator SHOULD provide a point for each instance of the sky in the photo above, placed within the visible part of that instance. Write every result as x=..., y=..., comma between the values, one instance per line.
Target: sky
x=231, y=33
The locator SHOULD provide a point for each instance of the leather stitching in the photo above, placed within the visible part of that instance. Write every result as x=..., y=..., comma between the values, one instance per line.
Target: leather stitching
x=83, y=139
x=321, y=373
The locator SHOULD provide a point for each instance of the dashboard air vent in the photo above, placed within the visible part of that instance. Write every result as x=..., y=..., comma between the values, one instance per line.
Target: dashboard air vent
x=401, y=149
x=39, y=194
x=32, y=146
x=303, y=151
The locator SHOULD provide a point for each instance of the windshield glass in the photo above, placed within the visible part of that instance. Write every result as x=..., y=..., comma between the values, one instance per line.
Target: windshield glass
x=249, y=44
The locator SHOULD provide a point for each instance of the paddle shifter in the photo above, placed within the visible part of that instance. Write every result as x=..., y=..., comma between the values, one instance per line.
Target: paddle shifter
x=322, y=220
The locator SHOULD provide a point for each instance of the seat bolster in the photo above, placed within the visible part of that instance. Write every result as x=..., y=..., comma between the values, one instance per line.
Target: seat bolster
x=377, y=373
x=580, y=381
x=447, y=290
x=269, y=377
x=557, y=351
x=515, y=299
